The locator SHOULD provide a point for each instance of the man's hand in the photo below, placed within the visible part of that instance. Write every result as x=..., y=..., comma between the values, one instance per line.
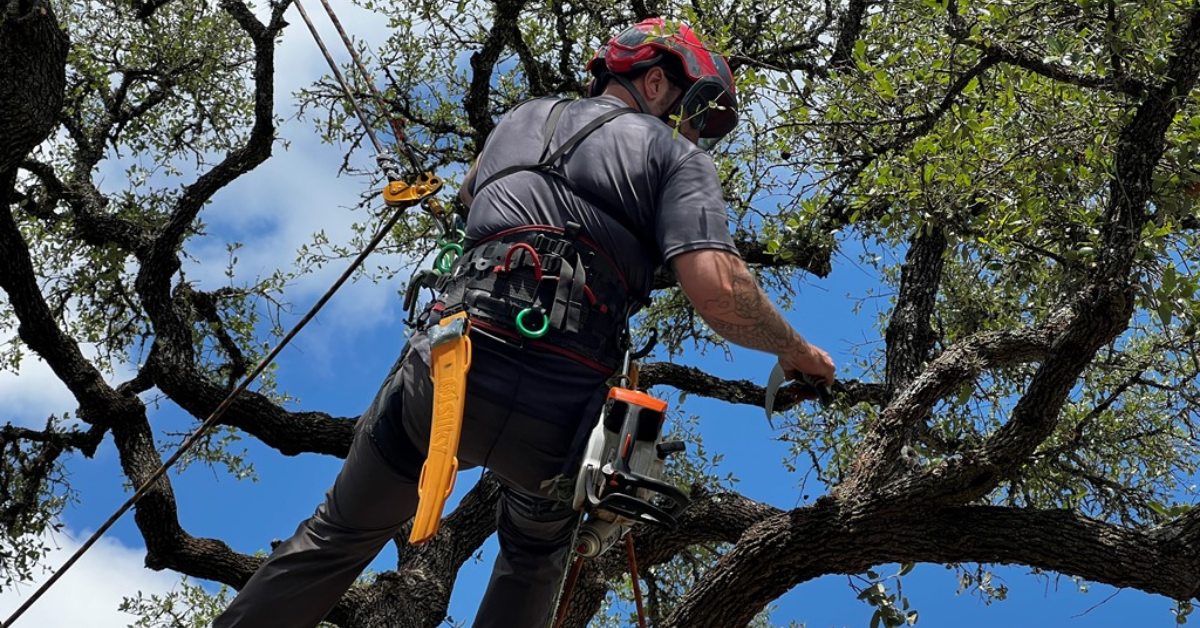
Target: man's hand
x=810, y=360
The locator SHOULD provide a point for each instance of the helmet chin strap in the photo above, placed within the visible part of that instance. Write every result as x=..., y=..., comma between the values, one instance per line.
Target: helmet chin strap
x=637, y=95
x=641, y=100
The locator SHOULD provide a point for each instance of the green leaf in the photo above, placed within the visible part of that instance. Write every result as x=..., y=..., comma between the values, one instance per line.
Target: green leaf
x=884, y=85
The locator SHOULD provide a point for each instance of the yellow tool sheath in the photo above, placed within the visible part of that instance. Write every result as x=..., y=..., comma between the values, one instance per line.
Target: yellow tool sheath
x=451, y=359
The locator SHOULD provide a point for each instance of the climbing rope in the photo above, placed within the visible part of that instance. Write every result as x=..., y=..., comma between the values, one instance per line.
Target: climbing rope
x=397, y=195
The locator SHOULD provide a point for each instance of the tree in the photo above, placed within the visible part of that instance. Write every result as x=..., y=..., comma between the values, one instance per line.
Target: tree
x=1023, y=176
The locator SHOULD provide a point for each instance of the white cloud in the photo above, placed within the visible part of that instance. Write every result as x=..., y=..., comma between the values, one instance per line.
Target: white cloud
x=90, y=593
x=278, y=207
x=273, y=211
x=32, y=394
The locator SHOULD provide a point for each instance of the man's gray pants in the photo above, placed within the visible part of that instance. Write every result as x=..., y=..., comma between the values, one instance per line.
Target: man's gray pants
x=376, y=493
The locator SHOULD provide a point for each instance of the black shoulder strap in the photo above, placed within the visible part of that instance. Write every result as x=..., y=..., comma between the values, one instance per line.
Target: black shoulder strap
x=551, y=124
x=548, y=164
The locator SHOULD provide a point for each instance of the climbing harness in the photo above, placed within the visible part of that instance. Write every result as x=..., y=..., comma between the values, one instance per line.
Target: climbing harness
x=619, y=485
x=545, y=287
x=398, y=195
x=538, y=285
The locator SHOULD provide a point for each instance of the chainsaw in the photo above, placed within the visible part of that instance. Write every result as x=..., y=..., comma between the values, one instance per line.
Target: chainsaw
x=619, y=483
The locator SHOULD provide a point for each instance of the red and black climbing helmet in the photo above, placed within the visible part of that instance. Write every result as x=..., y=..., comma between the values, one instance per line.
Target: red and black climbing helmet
x=710, y=99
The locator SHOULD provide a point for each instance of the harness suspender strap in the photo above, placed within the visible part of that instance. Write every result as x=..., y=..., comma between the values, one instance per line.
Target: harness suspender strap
x=450, y=361
x=551, y=124
x=548, y=161
x=548, y=165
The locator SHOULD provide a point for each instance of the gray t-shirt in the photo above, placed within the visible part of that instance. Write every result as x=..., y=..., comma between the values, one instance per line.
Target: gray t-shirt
x=646, y=178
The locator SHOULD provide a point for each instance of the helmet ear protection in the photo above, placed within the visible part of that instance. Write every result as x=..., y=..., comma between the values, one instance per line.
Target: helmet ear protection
x=709, y=100
x=599, y=70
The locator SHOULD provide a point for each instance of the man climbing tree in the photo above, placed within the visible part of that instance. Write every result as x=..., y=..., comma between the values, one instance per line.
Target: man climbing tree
x=621, y=189
x=1004, y=190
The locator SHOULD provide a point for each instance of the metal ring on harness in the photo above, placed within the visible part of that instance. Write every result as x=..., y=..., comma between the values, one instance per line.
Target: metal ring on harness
x=537, y=261
x=533, y=333
x=444, y=261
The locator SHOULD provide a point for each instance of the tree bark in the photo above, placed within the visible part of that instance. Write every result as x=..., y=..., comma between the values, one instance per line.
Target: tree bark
x=33, y=75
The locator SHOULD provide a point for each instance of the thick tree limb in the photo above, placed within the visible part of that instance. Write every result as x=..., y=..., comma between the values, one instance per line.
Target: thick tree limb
x=910, y=337
x=710, y=518
x=33, y=57
x=850, y=26
x=476, y=103
x=879, y=456
x=99, y=404
x=788, y=549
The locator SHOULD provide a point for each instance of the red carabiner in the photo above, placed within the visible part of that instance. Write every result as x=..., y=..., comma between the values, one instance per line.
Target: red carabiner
x=537, y=261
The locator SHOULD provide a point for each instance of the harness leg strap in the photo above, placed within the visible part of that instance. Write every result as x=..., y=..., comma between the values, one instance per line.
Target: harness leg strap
x=451, y=359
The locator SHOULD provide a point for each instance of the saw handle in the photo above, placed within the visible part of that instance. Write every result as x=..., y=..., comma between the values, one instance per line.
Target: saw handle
x=824, y=393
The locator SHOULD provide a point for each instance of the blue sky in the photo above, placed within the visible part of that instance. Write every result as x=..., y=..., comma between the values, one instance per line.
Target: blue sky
x=336, y=364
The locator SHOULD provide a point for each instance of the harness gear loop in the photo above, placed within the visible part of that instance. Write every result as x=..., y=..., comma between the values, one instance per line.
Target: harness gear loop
x=522, y=246
x=450, y=361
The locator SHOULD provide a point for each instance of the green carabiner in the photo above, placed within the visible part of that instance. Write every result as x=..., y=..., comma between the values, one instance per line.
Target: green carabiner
x=532, y=333
x=444, y=261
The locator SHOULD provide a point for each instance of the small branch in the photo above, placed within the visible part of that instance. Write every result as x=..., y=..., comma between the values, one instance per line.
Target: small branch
x=694, y=381
x=1013, y=55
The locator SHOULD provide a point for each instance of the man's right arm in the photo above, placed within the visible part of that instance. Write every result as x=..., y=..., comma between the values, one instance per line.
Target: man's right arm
x=727, y=297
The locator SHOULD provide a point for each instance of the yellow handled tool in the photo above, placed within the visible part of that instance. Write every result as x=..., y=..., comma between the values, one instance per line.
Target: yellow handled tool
x=451, y=359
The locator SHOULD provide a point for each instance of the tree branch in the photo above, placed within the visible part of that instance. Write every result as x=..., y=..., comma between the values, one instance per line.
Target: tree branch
x=1014, y=55
x=850, y=26
x=694, y=381
x=483, y=62
x=879, y=458
x=788, y=549
x=709, y=518
x=910, y=337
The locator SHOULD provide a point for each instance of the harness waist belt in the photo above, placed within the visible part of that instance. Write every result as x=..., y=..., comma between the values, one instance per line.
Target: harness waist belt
x=546, y=284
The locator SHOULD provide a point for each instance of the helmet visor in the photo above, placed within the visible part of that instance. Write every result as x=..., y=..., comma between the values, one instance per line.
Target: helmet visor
x=710, y=108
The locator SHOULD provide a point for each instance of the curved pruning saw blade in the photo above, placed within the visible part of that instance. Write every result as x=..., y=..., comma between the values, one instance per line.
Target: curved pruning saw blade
x=773, y=384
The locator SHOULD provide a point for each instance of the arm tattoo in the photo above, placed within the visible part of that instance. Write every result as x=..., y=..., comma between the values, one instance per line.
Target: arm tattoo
x=748, y=318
